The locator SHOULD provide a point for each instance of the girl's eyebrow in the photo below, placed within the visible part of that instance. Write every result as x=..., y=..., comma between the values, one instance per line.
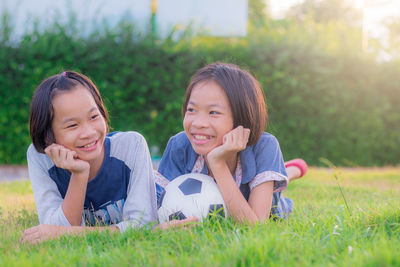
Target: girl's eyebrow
x=73, y=119
x=92, y=109
x=68, y=120
x=215, y=106
x=191, y=102
x=210, y=105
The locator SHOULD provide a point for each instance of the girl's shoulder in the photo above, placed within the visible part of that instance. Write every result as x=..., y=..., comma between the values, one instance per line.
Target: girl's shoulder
x=123, y=145
x=118, y=134
x=265, y=155
x=267, y=136
x=39, y=158
x=266, y=148
x=130, y=137
x=266, y=140
x=178, y=157
x=180, y=146
x=179, y=141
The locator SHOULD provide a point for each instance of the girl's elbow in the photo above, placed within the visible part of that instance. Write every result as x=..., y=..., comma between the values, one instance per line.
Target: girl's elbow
x=261, y=218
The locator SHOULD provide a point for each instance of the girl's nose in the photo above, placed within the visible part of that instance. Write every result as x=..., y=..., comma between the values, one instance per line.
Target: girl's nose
x=87, y=131
x=200, y=121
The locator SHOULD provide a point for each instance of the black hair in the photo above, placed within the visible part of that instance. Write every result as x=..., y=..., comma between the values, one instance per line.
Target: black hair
x=42, y=112
x=244, y=93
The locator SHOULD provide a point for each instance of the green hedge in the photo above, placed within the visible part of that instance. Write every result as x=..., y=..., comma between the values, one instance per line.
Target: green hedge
x=341, y=107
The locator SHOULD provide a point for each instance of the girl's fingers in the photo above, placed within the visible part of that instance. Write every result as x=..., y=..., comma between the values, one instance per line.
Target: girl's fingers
x=63, y=154
x=53, y=151
x=192, y=219
x=183, y=223
x=190, y=222
x=240, y=137
x=49, y=151
x=235, y=133
x=177, y=223
x=240, y=144
x=49, y=148
x=30, y=236
x=35, y=237
x=227, y=139
x=240, y=134
x=224, y=139
x=246, y=135
x=29, y=231
x=60, y=155
x=32, y=239
x=40, y=233
x=70, y=157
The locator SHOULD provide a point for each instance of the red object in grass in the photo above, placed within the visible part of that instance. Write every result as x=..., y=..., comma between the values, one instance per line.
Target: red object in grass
x=299, y=163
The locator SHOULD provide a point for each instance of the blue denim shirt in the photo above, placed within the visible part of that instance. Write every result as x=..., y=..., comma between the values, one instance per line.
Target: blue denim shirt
x=179, y=158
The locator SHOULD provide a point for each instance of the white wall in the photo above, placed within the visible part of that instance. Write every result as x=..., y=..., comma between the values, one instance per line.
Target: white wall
x=217, y=17
x=24, y=12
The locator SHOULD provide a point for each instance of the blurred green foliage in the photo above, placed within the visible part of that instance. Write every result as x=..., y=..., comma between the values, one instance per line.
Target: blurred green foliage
x=326, y=99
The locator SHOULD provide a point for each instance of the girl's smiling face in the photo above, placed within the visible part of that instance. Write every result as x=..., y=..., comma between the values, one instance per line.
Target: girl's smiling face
x=208, y=117
x=78, y=124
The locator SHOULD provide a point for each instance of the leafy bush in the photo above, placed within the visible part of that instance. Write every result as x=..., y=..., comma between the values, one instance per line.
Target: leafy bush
x=322, y=102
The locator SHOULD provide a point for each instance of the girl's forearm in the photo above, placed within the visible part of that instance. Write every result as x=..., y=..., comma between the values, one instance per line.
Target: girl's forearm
x=237, y=205
x=77, y=230
x=72, y=205
x=43, y=232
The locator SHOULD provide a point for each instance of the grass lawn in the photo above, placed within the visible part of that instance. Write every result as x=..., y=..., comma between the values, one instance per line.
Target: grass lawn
x=322, y=231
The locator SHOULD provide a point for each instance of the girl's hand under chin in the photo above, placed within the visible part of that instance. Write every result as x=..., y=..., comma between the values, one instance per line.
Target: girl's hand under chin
x=232, y=143
x=66, y=159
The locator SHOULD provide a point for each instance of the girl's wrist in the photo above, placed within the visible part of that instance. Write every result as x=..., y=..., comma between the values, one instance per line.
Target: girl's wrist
x=82, y=174
x=217, y=164
x=218, y=167
x=215, y=160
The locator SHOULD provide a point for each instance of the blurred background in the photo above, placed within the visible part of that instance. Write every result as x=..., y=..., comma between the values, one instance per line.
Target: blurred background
x=330, y=69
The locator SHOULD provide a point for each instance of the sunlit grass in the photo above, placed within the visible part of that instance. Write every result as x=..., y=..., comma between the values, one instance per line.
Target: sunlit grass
x=16, y=196
x=322, y=231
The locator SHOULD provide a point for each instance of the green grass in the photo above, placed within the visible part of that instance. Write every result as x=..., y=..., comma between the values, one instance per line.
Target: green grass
x=322, y=231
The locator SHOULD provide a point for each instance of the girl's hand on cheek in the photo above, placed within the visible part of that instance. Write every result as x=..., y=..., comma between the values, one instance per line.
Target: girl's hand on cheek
x=233, y=142
x=66, y=159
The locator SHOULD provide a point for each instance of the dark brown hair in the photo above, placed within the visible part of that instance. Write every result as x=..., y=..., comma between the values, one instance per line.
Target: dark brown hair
x=244, y=93
x=42, y=112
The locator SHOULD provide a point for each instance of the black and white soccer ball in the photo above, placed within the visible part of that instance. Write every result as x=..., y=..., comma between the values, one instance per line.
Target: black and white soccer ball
x=192, y=194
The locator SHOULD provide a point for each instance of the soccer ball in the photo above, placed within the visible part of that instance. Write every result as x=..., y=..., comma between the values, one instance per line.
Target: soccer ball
x=192, y=194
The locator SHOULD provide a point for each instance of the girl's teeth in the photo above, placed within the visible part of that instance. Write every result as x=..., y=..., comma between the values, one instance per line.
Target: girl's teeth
x=89, y=145
x=200, y=137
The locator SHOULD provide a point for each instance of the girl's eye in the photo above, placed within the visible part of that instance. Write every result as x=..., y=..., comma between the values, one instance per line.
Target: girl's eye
x=214, y=112
x=72, y=125
x=94, y=116
x=190, y=110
